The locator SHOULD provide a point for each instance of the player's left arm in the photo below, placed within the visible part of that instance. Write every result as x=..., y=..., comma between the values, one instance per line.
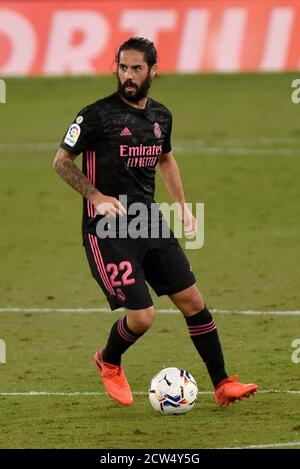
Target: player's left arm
x=170, y=174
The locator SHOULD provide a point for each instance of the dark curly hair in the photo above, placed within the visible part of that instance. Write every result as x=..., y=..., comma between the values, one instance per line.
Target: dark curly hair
x=142, y=45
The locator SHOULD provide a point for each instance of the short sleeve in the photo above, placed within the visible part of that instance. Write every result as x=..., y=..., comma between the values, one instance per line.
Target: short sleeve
x=167, y=147
x=83, y=132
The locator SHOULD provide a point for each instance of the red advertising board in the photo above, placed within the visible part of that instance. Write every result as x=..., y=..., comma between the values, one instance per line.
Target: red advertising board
x=81, y=37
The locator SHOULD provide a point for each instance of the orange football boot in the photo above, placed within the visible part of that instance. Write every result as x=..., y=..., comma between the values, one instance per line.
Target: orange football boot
x=229, y=390
x=114, y=380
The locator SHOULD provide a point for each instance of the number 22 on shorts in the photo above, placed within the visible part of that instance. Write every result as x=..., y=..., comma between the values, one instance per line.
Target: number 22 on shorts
x=124, y=269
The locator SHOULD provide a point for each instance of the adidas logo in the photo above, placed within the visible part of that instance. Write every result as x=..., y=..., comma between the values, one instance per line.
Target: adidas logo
x=125, y=132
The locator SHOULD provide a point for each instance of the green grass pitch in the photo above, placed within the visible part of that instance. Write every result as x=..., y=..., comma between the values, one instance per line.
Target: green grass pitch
x=237, y=142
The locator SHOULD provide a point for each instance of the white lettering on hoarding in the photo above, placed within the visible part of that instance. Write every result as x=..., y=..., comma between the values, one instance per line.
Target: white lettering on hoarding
x=148, y=23
x=22, y=37
x=191, y=48
x=229, y=44
x=62, y=55
x=75, y=39
x=277, y=39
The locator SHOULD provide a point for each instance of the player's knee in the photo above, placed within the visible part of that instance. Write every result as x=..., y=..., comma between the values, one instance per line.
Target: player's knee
x=146, y=319
x=140, y=321
x=192, y=304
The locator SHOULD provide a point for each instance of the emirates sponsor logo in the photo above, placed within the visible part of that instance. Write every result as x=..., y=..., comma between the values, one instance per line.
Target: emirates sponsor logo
x=157, y=130
x=141, y=162
x=125, y=132
x=140, y=150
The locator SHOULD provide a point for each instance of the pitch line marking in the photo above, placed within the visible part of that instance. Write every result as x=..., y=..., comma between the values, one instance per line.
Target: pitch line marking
x=269, y=445
x=240, y=147
x=159, y=310
x=135, y=393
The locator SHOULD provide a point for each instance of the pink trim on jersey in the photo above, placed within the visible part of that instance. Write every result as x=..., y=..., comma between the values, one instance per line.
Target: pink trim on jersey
x=94, y=178
x=89, y=179
x=204, y=329
x=100, y=264
x=123, y=333
x=91, y=176
x=93, y=154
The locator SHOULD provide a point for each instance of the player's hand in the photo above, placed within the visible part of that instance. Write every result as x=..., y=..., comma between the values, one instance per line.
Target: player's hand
x=109, y=207
x=188, y=220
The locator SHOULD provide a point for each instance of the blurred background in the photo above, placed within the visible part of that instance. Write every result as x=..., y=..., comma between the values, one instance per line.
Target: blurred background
x=227, y=72
x=81, y=37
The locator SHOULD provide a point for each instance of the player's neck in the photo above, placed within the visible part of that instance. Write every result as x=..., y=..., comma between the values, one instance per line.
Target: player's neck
x=139, y=105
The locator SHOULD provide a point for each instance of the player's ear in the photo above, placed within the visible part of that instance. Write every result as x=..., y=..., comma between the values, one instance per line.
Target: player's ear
x=153, y=70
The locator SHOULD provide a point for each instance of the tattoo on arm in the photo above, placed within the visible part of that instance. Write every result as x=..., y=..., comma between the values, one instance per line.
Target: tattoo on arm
x=68, y=170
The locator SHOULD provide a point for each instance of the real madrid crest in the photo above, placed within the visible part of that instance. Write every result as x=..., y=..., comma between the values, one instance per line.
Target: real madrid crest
x=157, y=130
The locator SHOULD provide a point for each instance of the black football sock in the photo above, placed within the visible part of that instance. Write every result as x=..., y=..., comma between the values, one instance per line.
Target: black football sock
x=203, y=332
x=119, y=340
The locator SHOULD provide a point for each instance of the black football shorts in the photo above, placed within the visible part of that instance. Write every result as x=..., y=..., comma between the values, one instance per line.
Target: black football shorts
x=123, y=267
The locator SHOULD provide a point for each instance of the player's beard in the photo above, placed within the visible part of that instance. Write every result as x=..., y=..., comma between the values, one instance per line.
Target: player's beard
x=140, y=93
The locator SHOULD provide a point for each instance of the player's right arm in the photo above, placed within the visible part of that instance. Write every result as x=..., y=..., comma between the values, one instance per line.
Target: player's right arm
x=85, y=131
x=64, y=165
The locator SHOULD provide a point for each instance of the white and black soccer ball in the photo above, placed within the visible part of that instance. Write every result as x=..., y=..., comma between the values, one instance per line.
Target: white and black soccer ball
x=173, y=391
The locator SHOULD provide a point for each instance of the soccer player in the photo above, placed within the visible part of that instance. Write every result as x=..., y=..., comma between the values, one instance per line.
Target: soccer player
x=123, y=138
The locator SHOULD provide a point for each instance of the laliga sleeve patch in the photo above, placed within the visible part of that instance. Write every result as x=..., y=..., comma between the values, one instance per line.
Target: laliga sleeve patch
x=72, y=135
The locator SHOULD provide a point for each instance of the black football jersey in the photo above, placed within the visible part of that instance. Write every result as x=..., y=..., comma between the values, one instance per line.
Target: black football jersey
x=120, y=146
